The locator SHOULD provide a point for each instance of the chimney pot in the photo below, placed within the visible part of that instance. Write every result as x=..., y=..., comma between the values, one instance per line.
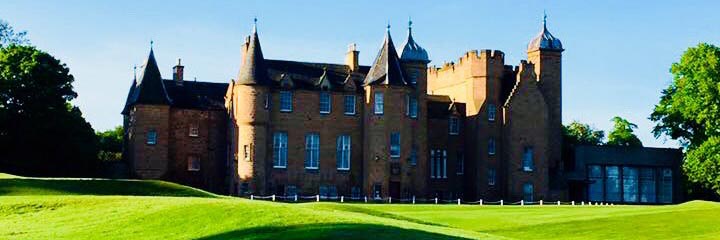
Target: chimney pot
x=178, y=72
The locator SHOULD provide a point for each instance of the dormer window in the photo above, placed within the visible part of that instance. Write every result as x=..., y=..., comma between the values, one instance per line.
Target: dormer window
x=325, y=104
x=286, y=104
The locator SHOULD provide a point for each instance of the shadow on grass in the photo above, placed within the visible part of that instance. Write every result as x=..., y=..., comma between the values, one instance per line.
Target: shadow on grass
x=330, y=231
x=376, y=213
x=36, y=186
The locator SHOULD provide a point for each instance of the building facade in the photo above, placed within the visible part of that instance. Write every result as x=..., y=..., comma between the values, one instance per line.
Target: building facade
x=475, y=129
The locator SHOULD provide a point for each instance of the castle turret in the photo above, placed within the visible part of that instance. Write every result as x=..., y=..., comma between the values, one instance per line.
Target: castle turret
x=148, y=111
x=414, y=60
x=250, y=102
x=545, y=52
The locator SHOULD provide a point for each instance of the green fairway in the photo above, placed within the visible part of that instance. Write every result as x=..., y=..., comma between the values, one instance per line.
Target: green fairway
x=75, y=209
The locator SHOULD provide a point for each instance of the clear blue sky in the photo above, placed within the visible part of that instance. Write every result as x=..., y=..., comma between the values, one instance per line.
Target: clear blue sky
x=616, y=61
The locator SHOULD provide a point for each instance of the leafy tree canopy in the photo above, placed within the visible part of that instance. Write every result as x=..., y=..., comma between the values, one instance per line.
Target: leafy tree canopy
x=8, y=35
x=41, y=133
x=577, y=133
x=111, y=144
x=689, y=111
x=623, y=133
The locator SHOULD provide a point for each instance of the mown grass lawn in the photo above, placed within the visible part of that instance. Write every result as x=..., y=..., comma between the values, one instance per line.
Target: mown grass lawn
x=87, y=209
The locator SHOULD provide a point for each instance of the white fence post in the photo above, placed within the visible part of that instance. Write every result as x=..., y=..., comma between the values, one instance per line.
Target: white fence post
x=389, y=199
x=480, y=202
x=252, y=197
x=435, y=200
x=558, y=203
x=522, y=202
x=572, y=203
x=365, y=199
x=502, y=202
x=342, y=199
x=273, y=197
x=541, y=202
x=458, y=201
x=413, y=199
x=317, y=198
x=582, y=203
x=296, y=197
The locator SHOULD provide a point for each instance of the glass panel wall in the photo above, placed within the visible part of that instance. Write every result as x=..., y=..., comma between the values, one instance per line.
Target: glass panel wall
x=666, y=186
x=630, y=184
x=595, y=187
x=647, y=185
x=612, y=183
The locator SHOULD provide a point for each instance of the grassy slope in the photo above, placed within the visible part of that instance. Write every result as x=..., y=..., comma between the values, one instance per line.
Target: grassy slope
x=58, y=216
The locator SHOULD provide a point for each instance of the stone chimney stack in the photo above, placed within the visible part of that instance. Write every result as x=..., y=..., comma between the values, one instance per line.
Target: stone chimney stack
x=351, y=57
x=178, y=71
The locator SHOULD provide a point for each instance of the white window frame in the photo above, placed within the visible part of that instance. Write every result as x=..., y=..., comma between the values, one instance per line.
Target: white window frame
x=528, y=186
x=395, y=149
x=344, y=151
x=379, y=106
x=191, y=160
x=246, y=152
x=328, y=96
x=411, y=106
x=280, y=148
x=286, y=101
x=151, y=137
x=312, y=151
x=194, y=130
x=528, y=162
x=349, y=98
x=454, y=125
x=492, y=112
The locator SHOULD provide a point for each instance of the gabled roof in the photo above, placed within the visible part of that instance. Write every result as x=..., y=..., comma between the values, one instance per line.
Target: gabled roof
x=150, y=89
x=307, y=75
x=197, y=95
x=386, y=67
x=253, y=71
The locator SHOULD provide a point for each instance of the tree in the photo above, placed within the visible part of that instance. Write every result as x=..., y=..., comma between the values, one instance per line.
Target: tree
x=41, y=133
x=8, y=35
x=689, y=111
x=110, y=144
x=622, y=133
x=577, y=133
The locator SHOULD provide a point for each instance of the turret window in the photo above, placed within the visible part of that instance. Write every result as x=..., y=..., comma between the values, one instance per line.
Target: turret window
x=193, y=163
x=454, y=125
x=491, y=110
x=413, y=77
x=411, y=106
x=325, y=103
x=379, y=103
x=528, y=159
x=395, y=145
x=286, y=101
x=151, y=138
x=349, y=104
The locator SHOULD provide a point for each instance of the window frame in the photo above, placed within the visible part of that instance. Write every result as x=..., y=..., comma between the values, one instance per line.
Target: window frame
x=412, y=160
x=312, y=151
x=492, y=174
x=453, y=125
x=491, y=112
x=411, y=106
x=194, y=130
x=286, y=101
x=354, y=105
x=528, y=165
x=378, y=103
x=193, y=160
x=151, y=137
x=460, y=163
x=280, y=149
x=395, y=145
x=492, y=146
x=328, y=96
x=343, y=150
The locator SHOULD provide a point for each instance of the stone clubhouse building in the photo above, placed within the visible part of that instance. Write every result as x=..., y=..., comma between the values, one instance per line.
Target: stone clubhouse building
x=477, y=128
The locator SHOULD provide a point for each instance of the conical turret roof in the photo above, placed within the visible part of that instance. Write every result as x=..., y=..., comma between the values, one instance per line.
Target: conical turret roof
x=253, y=71
x=150, y=89
x=386, y=67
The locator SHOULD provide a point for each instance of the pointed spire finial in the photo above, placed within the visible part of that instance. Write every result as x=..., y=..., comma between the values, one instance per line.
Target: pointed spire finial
x=388, y=27
x=254, y=24
x=544, y=18
x=151, y=44
x=409, y=22
x=135, y=72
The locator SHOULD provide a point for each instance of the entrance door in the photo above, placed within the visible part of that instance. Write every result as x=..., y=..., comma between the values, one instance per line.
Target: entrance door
x=395, y=189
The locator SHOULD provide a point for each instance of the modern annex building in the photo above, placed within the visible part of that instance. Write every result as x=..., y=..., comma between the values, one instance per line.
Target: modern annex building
x=477, y=128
